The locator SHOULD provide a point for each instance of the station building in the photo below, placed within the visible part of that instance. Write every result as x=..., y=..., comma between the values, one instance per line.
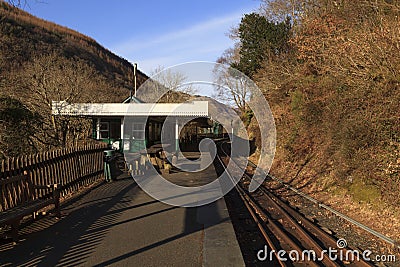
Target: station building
x=133, y=125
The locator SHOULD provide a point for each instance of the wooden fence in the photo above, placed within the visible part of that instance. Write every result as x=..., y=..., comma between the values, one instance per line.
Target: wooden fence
x=71, y=168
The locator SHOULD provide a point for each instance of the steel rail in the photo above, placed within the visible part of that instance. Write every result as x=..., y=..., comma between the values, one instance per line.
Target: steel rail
x=394, y=243
x=310, y=226
x=339, y=214
x=297, y=220
x=305, y=239
x=256, y=219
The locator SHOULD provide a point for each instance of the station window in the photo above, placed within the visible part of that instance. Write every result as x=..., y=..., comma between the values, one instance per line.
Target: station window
x=115, y=129
x=138, y=131
x=104, y=130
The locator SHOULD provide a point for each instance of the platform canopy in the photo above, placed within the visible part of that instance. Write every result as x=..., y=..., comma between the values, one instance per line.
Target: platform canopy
x=188, y=109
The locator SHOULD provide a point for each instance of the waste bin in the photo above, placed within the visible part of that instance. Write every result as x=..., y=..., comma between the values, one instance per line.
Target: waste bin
x=109, y=157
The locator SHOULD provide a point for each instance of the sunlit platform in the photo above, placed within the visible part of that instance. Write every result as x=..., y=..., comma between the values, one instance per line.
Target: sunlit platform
x=118, y=224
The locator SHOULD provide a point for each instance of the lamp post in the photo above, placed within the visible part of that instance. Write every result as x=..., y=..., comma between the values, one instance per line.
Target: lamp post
x=134, y=82
x=134, y=76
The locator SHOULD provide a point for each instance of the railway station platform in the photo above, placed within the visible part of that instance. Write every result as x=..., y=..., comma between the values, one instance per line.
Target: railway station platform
x=118, y=224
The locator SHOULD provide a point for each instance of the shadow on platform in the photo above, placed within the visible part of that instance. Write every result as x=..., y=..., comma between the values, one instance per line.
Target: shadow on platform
x=94, y=224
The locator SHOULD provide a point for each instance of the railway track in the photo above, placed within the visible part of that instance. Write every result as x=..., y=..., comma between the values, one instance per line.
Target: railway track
x=290, y=238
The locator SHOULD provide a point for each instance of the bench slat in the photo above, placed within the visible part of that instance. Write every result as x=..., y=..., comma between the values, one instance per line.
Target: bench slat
x=22, y=211
x=19, y=199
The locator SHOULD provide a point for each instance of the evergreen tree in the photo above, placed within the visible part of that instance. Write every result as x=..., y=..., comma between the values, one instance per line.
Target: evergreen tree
x=260, y=41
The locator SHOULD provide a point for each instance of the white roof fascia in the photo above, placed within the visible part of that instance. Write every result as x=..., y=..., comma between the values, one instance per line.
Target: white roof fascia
x=195, y=108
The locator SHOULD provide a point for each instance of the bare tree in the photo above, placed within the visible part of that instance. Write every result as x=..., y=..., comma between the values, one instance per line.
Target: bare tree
x=16, y=3
x=279, y=10
x=232, y=87
x=55, y=78
x=232, y=90
x=230, y=56
x=171, y=85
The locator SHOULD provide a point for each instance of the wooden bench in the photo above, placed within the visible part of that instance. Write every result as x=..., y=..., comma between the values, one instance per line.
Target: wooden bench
x=19, y=198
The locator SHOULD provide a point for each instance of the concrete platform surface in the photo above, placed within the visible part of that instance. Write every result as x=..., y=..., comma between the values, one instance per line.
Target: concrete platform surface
x=118, y=224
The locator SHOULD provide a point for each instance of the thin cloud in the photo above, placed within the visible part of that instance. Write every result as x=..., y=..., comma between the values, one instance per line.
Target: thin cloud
x=204, y=41
x=202, y=28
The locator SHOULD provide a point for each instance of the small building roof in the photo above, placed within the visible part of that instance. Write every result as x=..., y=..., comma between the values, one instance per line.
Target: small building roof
x=132, y=99
x=192, y=109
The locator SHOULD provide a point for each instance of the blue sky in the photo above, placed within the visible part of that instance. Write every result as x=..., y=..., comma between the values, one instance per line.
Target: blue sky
x=151, y=33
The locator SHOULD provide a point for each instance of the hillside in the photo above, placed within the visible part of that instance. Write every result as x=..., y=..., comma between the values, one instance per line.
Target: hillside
x=42, y=62
x=23, y=36
x=330, y=72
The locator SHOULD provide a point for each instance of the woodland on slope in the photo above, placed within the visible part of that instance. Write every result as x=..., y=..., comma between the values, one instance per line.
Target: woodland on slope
x=42, y=62
x=330, y=71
